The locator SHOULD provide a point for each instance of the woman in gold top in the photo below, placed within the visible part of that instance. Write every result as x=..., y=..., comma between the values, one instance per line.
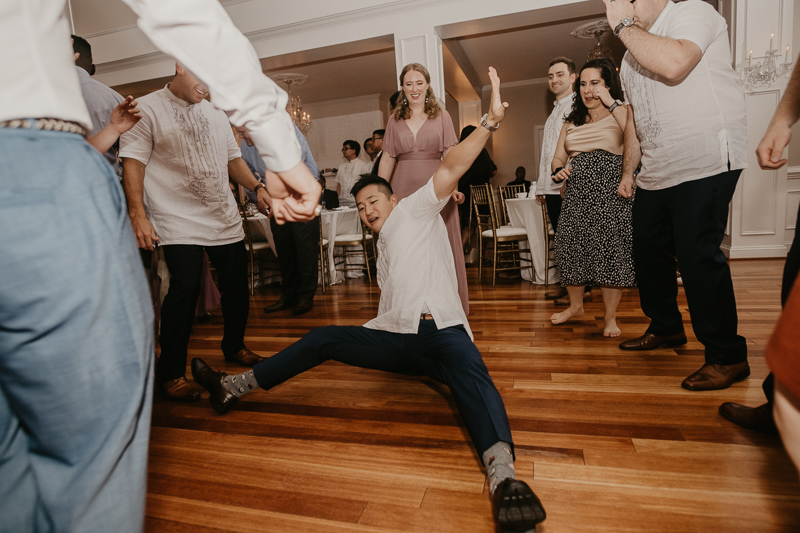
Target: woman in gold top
x=594, y=242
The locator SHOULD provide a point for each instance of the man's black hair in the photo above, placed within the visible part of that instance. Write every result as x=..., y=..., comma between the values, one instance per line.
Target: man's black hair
x=567, y=61
x=354, y=145
x=380, y=132
x=372, y=179
x=82, y=46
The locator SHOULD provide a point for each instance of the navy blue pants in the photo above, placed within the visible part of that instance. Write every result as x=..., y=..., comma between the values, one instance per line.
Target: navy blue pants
x=688, y=221
x=448, y=356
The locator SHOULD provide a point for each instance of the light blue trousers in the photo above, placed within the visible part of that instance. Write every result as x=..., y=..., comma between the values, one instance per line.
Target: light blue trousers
x=76, y=342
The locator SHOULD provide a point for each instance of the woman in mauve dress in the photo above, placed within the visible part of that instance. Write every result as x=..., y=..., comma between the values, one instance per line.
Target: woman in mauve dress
x=418, y=135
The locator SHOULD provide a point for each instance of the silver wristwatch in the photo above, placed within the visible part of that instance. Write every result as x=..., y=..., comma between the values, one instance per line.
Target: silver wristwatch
x=624, y=23
x=616, y=104
x=486, y=125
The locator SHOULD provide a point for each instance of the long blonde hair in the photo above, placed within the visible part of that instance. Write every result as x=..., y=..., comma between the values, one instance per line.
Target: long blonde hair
x=401, y=109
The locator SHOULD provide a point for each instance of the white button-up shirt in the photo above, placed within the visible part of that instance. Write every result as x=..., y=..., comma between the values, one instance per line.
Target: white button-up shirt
x=39, y=77
x=552, y=130
x=693, y=129
x=186, y=148
x=347, y=175
x=415, y=267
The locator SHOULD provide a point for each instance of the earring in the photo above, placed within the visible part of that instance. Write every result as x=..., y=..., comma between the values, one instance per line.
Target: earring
x=426, y=99
x=405, y=102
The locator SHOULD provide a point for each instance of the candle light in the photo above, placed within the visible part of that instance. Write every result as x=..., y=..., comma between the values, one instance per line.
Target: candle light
x=749, y=59
x=771, y=36
x=786, y=59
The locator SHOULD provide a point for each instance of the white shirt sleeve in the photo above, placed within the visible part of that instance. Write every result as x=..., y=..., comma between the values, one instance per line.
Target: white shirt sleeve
x=697, y=22
x=137, y=143
x=202, y=37
x=424, y=203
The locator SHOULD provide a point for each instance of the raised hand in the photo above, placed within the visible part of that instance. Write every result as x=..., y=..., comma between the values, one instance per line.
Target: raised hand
x=616, y=11
x=497, y=108
x=125, y=115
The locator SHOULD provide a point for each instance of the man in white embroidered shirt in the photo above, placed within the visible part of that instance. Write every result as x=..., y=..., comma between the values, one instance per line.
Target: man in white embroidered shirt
x=687, y=126
x=420, y=329
x=177, y=161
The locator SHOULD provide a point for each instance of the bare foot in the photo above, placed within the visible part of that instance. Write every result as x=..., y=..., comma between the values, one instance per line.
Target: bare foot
x=611, y=329
x=563, y=316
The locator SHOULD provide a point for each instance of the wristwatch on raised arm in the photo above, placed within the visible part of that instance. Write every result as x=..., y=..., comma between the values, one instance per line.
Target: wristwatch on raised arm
x=624, y=23
x=616, y=104
x=486, y=125
x=259, y=185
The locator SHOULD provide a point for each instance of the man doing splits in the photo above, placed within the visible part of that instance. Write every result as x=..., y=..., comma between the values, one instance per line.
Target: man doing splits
x=421, y=328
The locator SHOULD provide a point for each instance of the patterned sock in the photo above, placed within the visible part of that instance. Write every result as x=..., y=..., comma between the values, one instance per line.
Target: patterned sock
x=499, y=464
x=240, y=384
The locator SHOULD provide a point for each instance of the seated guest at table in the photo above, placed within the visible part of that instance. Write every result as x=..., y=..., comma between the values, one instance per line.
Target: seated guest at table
x=595, y=238
x=519, y=179
x=296, y=243
x=330, y=200
x=370, y=150
x=481, y=171
x=349, y=172
x=421, y=328
x=189, y=209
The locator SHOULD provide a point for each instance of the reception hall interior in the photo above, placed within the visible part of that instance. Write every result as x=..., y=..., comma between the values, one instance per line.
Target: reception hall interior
x=607, y=438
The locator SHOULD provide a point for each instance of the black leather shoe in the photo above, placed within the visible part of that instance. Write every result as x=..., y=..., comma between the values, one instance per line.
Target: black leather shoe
x=648, y=341
x=180, y=390
x=303, y=306
x=556, y=295
x=278, y=306
x=245, y=357
x=516, y=507
x=221, y=399
x=755, y=418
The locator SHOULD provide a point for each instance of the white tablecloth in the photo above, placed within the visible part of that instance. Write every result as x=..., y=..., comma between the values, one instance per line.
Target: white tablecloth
x=261, y=231
x=527, y=213
x=342, y=221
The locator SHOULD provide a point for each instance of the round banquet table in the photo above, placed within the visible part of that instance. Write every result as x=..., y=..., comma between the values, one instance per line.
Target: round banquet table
x=527, y=213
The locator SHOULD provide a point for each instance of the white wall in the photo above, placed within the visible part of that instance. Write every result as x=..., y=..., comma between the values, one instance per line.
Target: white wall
x=336, y=121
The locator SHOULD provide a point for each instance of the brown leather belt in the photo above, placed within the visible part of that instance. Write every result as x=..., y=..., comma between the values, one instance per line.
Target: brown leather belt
x=48, y=124
x=426, y=316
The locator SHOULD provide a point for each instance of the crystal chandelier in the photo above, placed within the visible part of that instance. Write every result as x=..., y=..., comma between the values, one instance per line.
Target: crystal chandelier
x=595, y=30
x=762, y=75
x=294, y=107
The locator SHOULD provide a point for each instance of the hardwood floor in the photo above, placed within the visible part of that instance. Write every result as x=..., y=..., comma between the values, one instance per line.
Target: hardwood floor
x=608, y=439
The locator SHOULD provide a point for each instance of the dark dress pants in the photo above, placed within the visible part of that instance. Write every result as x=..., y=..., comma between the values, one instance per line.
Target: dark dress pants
x=185, y=263
x=688, y=221
x=553, y=203
x=297, y=246
x=447, y=356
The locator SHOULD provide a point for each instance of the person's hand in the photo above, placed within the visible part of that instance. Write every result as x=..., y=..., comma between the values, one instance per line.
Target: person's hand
x=146, y=237
x=458, y=197
x=264, y=203
x=562, y=175
x=295, y=194
x=616, y=11
x=625, y=188
x=601, y=92
x=125, y=115
x=497, y=108
x=771, y=147
x=540, y=198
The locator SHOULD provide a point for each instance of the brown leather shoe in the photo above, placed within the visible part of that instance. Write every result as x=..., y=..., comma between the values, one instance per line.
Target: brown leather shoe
x=587, y=297
x=716, y=377
x=303, y=306
x=648, y=341
x=180, y=390
x=245, y=357
x=560, y=293
x=755, y=418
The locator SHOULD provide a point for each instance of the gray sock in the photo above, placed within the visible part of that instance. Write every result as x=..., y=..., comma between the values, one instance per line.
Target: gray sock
x=240, y=384
x=499, y=464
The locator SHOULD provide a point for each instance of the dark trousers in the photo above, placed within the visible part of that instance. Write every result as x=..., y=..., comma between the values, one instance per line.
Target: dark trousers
x=185, y=262
x=553, y=203
x=790, y=271
x=297, y=246
x=688, y=221
x=447, y=356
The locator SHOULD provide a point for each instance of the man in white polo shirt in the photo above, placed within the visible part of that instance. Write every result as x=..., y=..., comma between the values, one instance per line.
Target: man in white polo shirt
x=177, y=161
x=421, y=328
x=688, y=128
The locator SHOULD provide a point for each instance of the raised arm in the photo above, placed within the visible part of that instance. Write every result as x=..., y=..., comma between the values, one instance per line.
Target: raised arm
x=770, y=149
x=672, y=59
x=123, y=118
x=133, y=184
x=460, y=157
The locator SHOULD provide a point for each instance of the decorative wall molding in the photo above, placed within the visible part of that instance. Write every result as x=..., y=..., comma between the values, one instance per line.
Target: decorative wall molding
x=793, y=173
x=520, y=83
x=754, y=252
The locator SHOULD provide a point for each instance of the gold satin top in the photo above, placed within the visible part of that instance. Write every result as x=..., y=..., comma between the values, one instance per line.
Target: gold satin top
x=602, y=135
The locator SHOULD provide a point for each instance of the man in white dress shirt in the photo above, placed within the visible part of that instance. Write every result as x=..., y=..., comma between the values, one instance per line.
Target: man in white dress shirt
x=349, y=172
x=421, y=328
x=687, y=126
